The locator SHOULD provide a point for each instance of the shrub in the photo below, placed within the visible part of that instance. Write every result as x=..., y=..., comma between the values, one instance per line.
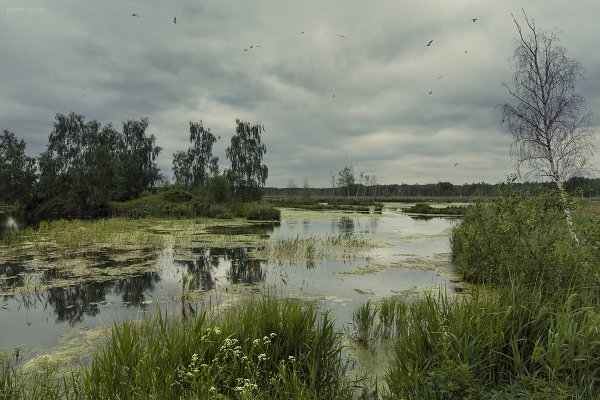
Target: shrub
x=521, y=238
x=176, y=195
x=261, y=212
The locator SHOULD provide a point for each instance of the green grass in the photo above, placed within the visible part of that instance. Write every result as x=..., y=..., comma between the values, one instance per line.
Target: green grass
x=500, y=344
x=177, y=203
x=262, y=349
x=424, y=208
x=315, y=248
x=78, y=233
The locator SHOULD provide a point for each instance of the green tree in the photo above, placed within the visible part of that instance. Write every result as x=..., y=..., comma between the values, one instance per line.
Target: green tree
x=77, y=170
x=247, y=173
x=346, y=178
x=137, y=160
x=17, y=170
x=196, y=166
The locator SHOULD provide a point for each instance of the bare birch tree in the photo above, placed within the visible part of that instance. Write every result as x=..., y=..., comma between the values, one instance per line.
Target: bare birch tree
x=548, y=120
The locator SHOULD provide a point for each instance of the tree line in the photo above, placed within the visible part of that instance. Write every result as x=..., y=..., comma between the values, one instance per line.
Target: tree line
x=86, y=165
x=577, y=186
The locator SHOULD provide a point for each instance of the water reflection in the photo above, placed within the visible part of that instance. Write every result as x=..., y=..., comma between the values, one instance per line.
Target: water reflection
x=9, y=222
x=11, y=275
x=217, y=263
x=345, y=226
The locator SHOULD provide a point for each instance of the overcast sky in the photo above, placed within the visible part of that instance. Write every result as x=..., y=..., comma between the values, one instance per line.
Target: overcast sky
x=94, y=58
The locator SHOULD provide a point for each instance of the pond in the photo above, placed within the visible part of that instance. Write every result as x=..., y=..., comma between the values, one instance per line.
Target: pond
x=410, y=255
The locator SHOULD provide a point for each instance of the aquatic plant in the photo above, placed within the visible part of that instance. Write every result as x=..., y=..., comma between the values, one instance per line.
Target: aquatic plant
x=495, y=344
x=314, y=248
x=363, y=319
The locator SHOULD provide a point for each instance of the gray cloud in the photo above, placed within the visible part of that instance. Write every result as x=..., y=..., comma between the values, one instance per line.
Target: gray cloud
x=97, y=60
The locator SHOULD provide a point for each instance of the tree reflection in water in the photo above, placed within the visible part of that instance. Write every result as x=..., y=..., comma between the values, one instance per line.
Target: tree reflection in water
x=241, y=269
x=74, y=302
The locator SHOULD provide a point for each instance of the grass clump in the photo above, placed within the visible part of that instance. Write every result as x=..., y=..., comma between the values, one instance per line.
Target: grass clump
x=495, y=345
x=314, y=248
x=263, y=349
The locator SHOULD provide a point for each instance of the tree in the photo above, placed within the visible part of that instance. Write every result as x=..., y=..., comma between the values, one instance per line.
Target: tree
x=197, y=166
x=332, y=175
x=305, y=188
x=138, y=170
x=346, y=178
x=77, y=170
x=17, y=170
x=247, y=173
x=292, y=187
x=548, y=120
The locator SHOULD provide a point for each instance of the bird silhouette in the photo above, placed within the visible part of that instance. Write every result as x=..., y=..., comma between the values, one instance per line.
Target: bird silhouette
x=333, y=95
x=251, y=46
x=302, y=33
x=429, y=44
x=342, y=36
x=465, y=52
x=455, y=164
x=135, y=15
x=474, y=19
x=245, y=49
x=430, y=92
x=175, y=20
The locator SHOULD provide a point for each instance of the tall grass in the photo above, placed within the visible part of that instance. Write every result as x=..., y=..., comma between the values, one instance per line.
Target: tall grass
x=112, y=232
x=262, y=349
x=496, y=345
x=314, y=248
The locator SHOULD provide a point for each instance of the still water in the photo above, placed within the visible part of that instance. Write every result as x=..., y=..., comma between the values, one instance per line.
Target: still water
x=37, y=320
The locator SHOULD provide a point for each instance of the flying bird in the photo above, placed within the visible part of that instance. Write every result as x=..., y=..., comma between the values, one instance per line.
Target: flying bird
x=135, y=15
x=175, y=20
x=474, y=19
x=429, y=44
x=245, y=49
x=455, y=164
x=333, y=95
x=342, y=36
x=430, y=92
x=465, y=52
x=302, y=33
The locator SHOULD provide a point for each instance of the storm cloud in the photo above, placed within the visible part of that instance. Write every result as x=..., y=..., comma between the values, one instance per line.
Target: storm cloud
x=325, y=100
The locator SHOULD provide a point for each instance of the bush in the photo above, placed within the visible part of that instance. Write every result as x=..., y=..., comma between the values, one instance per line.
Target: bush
x=518, y=238
x=176, y=195
x=261, y=212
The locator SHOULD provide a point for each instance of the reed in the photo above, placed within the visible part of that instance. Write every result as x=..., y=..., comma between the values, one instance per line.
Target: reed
x=496, y=344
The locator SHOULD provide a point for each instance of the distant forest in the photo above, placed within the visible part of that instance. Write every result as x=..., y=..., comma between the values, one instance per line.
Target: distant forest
x=577, y=186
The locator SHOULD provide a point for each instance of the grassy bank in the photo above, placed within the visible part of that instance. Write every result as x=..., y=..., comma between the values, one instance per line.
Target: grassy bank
x=528, y=332
x=263, y=349
x=177, y=203
x=426, y=209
